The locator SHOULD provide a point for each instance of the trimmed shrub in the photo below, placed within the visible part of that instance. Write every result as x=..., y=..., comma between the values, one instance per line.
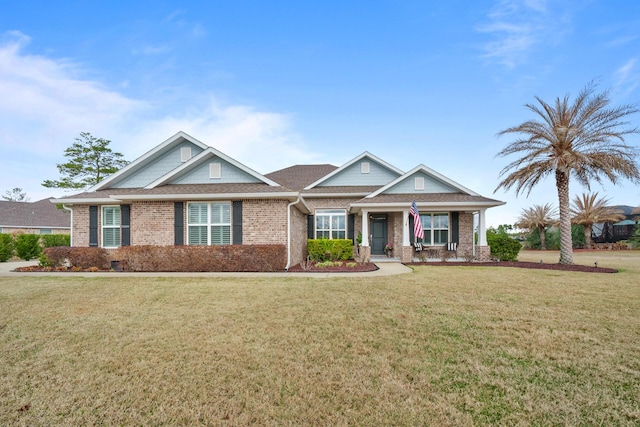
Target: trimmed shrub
x=224, y=258
x=330, y=249
x=503, y=247
x=6, y=247
x=83, y=258
x=28, y=246
x=51, y=240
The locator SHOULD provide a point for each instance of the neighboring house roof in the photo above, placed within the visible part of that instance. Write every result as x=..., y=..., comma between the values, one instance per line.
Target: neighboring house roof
x=40, y=214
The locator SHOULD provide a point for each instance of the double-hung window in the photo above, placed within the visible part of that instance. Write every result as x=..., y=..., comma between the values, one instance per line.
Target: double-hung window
x=331, y=224
x=436, y=228
x=111, y=226
x=209, y=223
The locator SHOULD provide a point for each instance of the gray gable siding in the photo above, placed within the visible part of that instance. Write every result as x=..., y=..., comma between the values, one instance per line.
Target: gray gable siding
x=431, y=185
x=156, y=167
x=352, y=175
x=229, y=174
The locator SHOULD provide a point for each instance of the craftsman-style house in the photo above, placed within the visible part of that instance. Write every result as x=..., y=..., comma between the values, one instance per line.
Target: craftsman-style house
x=184, y=192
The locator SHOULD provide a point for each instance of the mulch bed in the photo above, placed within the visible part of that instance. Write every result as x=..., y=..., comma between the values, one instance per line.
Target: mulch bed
x=357, y=268
x=518, y=264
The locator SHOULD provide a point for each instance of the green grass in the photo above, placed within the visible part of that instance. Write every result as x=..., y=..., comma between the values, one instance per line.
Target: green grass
x=440, y=346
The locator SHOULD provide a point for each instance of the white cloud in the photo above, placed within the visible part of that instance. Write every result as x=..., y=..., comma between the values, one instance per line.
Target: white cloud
x=46, y=102
x=516, y=27
x=627, y=77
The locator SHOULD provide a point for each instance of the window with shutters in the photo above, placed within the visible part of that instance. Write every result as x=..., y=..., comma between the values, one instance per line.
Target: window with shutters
x=331, y=224
x=436, y=228
x=110, y=226
x=209, y=223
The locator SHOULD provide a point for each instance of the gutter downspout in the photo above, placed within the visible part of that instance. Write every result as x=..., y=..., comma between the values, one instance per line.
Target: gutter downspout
x=65, y=207
x=289, y=232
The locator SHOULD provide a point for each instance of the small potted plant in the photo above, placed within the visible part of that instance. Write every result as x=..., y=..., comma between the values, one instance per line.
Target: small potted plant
x=388, y=248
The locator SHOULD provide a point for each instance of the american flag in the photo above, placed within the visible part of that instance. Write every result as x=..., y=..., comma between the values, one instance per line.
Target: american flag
x=417, y=224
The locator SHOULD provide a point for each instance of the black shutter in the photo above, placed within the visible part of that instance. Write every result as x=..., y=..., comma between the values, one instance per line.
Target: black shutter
x=351, y=224
x=125, y=223
x=455, y=227
x=237, y=222
x=178, y=223
x=93, y=226
x=310, y=227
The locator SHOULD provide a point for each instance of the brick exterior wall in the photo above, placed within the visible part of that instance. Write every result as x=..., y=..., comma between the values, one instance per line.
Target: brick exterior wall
x=80, y=231
x=152, y=223
x=264, y=222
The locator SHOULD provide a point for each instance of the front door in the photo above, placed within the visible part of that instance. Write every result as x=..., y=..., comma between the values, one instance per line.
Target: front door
x=378, y=234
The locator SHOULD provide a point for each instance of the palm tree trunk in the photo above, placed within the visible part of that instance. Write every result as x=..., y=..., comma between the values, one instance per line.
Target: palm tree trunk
x=566, y=245
x=543, y=239
x=587, y=237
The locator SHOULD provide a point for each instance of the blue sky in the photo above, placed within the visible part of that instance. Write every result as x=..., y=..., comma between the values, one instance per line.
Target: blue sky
x=277, y=83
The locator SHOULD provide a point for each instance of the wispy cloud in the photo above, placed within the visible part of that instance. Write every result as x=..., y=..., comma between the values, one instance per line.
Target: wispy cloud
x=46, y=102
x=515, y=28
x=627, y=77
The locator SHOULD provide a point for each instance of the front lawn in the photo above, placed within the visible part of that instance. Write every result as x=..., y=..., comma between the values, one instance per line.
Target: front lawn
x=440, y=346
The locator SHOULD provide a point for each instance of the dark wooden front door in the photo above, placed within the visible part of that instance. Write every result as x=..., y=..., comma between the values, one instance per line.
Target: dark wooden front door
x=378, y=234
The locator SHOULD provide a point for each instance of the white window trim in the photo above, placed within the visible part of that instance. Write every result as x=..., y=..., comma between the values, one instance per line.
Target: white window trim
x=209, y=222
x=432, y=229
x=105, y=226
x=330, y=213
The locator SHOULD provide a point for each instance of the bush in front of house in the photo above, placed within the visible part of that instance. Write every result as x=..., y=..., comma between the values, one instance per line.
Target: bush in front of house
x=223, y=258
x=503, y=247
x=330, y=249
x=51, y=240
x=83, y=258
x=6, y=247
x=28, y=246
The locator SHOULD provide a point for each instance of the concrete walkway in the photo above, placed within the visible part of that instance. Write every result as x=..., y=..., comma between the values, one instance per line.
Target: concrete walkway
x=384, y=269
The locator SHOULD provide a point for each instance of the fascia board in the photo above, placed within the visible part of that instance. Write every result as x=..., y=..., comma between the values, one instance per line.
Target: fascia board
x=428, y=171
x=351, y=162
x=206, y=196
x=180, y=135
x=334, y=195
x=429, y=205
x=78, y=201
x=209, y=152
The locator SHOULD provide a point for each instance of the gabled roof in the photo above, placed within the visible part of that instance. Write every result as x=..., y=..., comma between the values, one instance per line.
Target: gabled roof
x=40, y=214
x=209, y=153
x=430, y=173
x=175, y=140
x=363, y=156
x=299, y=176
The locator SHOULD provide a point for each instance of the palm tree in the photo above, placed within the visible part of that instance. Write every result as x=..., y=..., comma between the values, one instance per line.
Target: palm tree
x=584, y=140
x=588, y=210
x=538, y=217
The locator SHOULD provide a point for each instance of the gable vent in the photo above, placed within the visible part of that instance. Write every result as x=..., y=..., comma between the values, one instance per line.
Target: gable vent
x=214, y=170
x=185, y=154
x=419, y=183
x=364, y=167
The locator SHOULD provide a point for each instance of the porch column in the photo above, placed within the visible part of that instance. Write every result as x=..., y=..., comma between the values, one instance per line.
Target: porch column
x=405, y=229
x=365, y=228
x=482, y=228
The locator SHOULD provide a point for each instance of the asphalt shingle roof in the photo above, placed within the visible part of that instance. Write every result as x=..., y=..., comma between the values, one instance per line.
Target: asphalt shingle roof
x=40, y=214
x=299, y=176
